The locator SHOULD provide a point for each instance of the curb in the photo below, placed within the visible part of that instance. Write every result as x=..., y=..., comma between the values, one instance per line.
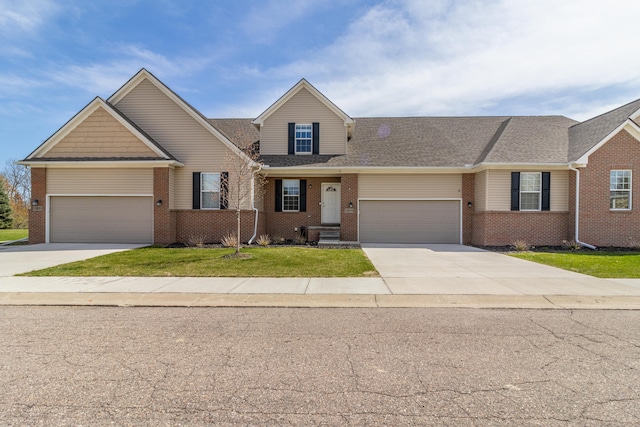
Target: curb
x=564, y=302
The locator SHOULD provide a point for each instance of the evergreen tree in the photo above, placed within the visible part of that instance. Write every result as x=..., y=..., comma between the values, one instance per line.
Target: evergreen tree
x=6, y=214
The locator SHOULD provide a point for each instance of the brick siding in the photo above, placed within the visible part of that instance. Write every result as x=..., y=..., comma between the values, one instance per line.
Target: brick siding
x=536, y=228
x=599, y=225
x=164, y=232
x=38, y=220
x=283, y=224
x=468, y=192
x=349, y=216
x=211, y=225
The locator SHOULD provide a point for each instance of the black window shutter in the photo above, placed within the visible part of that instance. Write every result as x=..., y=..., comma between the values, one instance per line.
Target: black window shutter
x=224, y=190
x=316, y=138
x=292, y=138
x=196, y=190
x=546, y=193
x=278, y=195
x=515, y=191
x=303, y=195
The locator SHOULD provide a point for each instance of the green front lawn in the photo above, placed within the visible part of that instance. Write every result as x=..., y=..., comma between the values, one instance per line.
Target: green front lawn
x=8, y=235
x=264, y=262
x=618, y=265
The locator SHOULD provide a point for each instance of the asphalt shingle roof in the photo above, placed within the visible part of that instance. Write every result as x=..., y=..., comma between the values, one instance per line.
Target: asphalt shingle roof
x=584, y=136
x=430, y=141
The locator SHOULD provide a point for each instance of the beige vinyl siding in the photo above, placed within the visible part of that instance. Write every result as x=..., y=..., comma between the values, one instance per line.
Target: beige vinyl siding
x=100, y=135
x=480, y=198
x=447, y=186
x=303, y=108
x=100, y=181
x=173, y=128
x=499, y=190
x=559, y=193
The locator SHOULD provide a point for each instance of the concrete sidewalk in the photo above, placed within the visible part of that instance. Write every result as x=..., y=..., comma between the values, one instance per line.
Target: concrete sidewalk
x=591, y=293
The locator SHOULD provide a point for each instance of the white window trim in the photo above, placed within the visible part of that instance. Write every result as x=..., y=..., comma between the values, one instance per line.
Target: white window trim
x=295, y=139
x=283, y=196
x=629, y=190
x=539, y=192
x=202, y=191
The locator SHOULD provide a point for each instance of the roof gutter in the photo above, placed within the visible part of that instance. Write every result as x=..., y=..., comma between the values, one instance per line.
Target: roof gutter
x=577, y=230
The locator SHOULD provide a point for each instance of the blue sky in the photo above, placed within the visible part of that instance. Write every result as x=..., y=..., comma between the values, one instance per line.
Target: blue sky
x=577, y=58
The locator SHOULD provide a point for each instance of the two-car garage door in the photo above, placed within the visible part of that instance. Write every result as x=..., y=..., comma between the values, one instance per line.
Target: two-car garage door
x=108, y=219
x=409, y=221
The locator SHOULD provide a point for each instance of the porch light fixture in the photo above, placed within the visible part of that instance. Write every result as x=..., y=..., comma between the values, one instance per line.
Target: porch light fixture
x=159, y=203
x=469, y=204
x=35, y=202
x=350, y=204
x=310, y=185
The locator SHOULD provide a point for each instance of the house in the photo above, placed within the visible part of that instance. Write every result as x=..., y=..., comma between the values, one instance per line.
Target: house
x=145, y=166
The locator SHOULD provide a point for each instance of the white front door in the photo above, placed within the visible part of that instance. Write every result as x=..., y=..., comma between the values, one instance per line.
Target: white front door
x=331, y=203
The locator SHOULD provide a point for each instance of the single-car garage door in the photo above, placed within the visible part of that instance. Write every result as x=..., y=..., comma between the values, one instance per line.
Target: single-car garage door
x=101, y=219
x=409, y=221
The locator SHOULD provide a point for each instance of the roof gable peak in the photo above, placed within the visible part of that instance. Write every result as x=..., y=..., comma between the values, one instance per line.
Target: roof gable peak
x=302, y=84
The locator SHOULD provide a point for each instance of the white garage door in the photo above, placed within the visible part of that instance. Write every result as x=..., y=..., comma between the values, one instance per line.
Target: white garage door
x=101, y=219
x=409, y=221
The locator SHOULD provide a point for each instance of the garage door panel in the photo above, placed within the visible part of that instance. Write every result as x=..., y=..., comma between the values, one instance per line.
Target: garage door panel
x=101, y=219
x=409, y=221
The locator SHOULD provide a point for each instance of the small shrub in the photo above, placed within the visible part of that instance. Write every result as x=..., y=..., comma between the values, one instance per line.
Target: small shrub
x=229, y=240
x=278, y=239
x=300, y=239
x=196, y=240
x=263, y=240
x=571, y=245
x=521, y=245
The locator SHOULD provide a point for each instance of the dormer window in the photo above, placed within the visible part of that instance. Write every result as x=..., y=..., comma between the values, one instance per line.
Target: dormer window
x=304, y=138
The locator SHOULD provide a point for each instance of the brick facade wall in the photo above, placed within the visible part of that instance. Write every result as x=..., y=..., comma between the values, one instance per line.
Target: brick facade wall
x=210, y=225
x=536, y=228
x=283, y=224
x=349, y=216
x=599, y=225
x=164, y=232
x=37, y=218
x=468, y=192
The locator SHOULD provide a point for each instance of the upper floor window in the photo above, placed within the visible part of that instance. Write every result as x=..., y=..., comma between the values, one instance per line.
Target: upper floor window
x=620, y=189
x=303, y=139
x=530, y=189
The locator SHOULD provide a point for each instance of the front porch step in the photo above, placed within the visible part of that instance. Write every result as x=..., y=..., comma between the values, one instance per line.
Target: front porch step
x=329, y=235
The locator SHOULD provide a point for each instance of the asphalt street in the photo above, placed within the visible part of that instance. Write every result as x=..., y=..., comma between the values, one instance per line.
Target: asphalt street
x=92, y=366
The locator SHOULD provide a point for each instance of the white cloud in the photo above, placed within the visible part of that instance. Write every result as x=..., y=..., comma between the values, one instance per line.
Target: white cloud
x=24, y=17
x=106, y=77
x=415, y=57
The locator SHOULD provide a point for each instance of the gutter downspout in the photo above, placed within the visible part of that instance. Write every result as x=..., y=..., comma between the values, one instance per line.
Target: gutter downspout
x=253, y=189
x=586, y=245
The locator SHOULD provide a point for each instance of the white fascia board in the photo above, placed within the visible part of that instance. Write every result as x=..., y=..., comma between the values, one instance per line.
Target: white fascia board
x=81, y=117
x=198, y=117
x=519, y=166
x=297, y=170
x=635, y=115
x=100, y=164
x=630, y=126
x=303, y=83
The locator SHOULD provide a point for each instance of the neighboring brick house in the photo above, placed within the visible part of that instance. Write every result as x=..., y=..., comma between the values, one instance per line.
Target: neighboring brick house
x=145, y=166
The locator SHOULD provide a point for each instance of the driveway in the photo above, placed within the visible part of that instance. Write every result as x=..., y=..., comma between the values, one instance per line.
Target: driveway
x=22, y=259
x=458, y=269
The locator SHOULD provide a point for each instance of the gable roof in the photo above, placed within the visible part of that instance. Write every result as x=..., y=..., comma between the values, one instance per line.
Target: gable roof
x=190, y=110
x=94, y=105
x=588, y=136
x=303, y=84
